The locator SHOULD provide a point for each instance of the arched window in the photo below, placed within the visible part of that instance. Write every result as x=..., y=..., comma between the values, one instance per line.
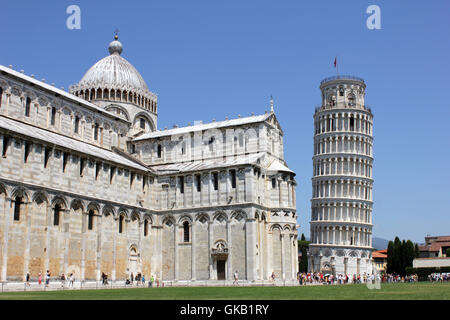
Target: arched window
x=77, y=124
x=91, y=220
x=145, y=227
x=352, y=123
x=159, y=151
x=17, y=203
x=142, y=123
x=120, y=223
x=96, y=132
x=186, y=231
x=56, y=214
x=1, y=95
x=27, y=107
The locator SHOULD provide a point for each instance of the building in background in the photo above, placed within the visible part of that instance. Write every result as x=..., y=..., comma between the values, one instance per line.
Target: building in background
x=435, y=246
x=89, y=184
x=341, y=204
x=379, y=259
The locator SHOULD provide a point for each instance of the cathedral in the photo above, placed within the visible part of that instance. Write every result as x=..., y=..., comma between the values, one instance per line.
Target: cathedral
x=89, y=185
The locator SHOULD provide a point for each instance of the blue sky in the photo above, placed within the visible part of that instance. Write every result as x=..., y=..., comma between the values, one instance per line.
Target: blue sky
x=215, y=59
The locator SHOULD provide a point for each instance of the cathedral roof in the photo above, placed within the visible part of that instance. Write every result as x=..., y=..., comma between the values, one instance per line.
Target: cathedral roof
x=66, y=142
x=204, y=126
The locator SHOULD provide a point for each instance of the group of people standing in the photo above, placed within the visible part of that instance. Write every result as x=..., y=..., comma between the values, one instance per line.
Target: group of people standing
x=304, y=278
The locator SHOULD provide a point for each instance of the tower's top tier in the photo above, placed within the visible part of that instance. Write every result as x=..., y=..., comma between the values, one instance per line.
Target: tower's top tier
x=343, y=92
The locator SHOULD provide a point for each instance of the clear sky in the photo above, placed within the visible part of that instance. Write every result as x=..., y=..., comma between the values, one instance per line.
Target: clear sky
x=214, y=59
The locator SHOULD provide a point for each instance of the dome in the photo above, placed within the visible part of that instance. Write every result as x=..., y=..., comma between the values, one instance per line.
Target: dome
x=114, y=72
x=113, y=78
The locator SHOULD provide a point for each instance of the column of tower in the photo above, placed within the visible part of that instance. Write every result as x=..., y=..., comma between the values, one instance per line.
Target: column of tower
x=341, y=204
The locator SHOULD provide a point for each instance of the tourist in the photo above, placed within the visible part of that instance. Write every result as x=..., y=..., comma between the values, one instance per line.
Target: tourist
x=235, y=278
x=40, y=279
x=63, y=280
x=47, y=278
x=28, y=279
x=71, y=279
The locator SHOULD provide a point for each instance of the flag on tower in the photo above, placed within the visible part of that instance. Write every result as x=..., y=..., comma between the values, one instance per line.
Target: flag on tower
x=335, y=62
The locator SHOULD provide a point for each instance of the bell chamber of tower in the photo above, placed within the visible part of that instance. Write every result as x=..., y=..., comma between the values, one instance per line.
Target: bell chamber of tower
x=342, y=183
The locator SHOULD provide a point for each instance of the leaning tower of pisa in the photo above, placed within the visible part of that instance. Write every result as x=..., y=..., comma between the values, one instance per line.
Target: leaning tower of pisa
x=341, y=204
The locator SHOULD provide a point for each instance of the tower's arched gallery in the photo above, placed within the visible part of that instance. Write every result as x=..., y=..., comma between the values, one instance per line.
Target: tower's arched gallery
x=89, y=184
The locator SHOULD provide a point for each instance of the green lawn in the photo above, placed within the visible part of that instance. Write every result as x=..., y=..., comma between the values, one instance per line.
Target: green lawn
x=416, y=291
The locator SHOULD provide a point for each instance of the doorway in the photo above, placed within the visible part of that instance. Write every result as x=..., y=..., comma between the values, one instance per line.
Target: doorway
x=220, y=269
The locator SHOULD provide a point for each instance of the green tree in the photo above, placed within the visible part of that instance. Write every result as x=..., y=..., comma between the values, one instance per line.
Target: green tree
x=410, y=254
x=447, y=253
x=397, y=256
x=303, y=246
x=390, y=258
x=416, y=249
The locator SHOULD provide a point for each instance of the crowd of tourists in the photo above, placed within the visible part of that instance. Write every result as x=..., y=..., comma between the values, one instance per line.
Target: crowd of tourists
x=439, y=277
x=304, y=278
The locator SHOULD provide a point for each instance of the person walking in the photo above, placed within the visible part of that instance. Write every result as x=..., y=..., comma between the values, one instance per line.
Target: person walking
x=63, y=280
x=236, y=278
x=40, y=279
x=71, y=279
x=28, y=279
x=47, y=278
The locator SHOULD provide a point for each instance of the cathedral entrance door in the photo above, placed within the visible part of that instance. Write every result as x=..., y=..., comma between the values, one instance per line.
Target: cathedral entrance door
x=220, y=269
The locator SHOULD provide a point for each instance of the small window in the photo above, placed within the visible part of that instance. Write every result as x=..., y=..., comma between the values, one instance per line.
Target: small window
x=77, y=124
x=144, y=182
x=5, y=145
x=233, y=178
x=17, y=203
x=53, y=117
x=159, y=151
x=91, y=220
x=132, y=176
x=65, y=157
x=111, y=174
x=98, y=166
x=27, y=107
x=27, y=151
x=82, y=164
x=1, y=95
x=142, y=123
x=47, y=153
x=56, y=214
x=274, y=183
x=121, y=224
x=352, y=123
x=186, y=231
x=145, y=227
x=181, y=184
x=216, y=180
x=198, y=179
x=96, y=132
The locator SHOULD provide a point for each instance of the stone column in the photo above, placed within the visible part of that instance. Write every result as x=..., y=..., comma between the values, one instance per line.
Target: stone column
x=210, y=244
x=229, y=259
x=193, y=247
x=115, y=230
x=283, y=274
x=8, y=214
x=250, y=238
x=175, y=255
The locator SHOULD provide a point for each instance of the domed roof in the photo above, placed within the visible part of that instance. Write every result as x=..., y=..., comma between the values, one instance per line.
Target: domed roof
x=114, y=72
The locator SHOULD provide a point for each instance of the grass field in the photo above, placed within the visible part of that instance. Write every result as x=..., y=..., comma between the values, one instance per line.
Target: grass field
x=408, y=291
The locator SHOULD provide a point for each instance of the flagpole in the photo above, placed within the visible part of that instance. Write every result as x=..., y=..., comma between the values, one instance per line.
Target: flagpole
x=337, y=67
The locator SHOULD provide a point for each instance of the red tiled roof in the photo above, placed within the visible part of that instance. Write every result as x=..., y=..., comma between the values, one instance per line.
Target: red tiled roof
x=379, y=254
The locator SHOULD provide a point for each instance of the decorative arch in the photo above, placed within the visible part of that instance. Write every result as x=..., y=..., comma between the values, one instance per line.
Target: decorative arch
x=93, y=206
x=20, y=192
x=60, y=201
x=202, y=218
x=108, y=210
x=77, y=204
x=276, y=227
x=142, y=114
x=239, y=215
x=185, y=218
x=220, y=216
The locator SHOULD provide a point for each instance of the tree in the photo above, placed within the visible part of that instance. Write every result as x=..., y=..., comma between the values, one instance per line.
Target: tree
x=447, y=253
x=410, y=254
x=397, y=256
x=303, y=246
x=416, y=249
x=390, y=258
